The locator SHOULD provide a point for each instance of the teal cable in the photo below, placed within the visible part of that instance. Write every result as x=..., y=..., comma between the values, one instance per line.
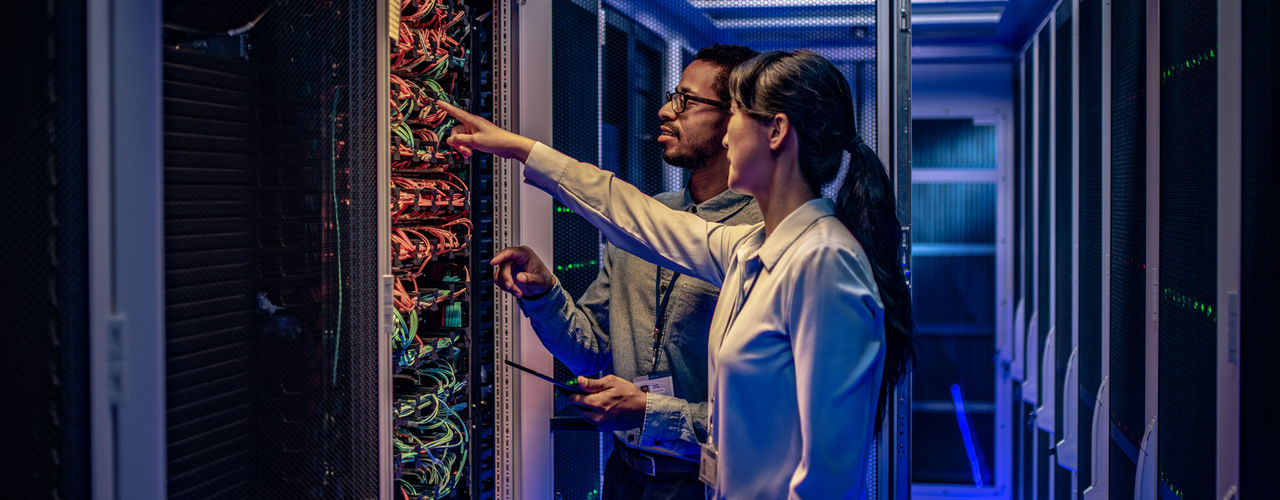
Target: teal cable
x=337, y=229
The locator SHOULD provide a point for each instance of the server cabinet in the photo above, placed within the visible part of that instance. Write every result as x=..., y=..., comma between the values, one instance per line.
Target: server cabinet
x=1127, y=368
x=1188, y=309
x=1256, y=349
x=1088, y=292
x=439, y=240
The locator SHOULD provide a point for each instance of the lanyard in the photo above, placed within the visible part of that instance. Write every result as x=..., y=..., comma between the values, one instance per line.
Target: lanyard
x=660, y=324
x=662, y=297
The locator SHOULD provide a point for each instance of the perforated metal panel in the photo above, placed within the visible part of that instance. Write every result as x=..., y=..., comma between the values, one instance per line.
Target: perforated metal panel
x=1089, y=301
x=938, y=462
x=210, y=276
x=1188, y=246
x=1260, y=270
x=952, y=144
x=954, y=301
x=955, y=212
x=632, y=85
x=1128, y=242
x=962, y=300
x=574, y=40
x=270, y=240
x=45, y=256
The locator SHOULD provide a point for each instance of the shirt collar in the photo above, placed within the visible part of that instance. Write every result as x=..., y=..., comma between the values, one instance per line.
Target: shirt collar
x=718, y=207
x=791, y=228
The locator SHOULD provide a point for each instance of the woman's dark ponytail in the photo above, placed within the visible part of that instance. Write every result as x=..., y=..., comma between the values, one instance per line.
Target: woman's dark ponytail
x=867, y=206
x=816, y=97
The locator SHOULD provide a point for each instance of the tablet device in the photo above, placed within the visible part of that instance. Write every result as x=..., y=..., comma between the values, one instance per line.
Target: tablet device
x=569, y=386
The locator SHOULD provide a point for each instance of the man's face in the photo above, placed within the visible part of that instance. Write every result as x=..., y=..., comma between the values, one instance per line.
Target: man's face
x=691, y=138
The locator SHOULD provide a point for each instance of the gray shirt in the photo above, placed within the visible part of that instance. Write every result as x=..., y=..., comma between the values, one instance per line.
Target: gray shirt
x=613, y=327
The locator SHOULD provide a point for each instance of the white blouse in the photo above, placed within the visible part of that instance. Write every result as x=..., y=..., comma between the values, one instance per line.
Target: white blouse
x=796, y=346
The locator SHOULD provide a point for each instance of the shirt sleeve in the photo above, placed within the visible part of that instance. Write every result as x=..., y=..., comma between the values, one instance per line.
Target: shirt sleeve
x=674, y=424
x=837, y=340
x=575, y=332
x=633, y=221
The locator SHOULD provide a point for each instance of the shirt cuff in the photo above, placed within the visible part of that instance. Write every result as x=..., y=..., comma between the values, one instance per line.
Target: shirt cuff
x=663, y=420
x=545, y=166
x=551, y=302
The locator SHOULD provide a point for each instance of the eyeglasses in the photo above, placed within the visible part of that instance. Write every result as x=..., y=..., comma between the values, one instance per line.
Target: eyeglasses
x=679, y=100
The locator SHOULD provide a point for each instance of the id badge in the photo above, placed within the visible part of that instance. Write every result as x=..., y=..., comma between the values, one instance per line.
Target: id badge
x=656, y=383
x=707, y=466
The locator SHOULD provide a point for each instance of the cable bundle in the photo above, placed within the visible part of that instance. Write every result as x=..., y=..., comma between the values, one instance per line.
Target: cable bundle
x=430, y=213
x=428, y=50
x=417, y=199
x=418, y=124
x=430, y=297
x=431, y=436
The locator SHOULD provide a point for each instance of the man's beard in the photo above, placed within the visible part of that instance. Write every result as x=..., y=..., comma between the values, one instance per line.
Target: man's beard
x=694, y=157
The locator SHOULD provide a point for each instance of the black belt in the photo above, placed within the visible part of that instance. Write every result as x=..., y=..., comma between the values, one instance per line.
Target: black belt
x=650, y=464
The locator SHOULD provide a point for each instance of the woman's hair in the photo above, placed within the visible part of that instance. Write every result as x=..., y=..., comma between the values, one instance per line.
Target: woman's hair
x=816, y=98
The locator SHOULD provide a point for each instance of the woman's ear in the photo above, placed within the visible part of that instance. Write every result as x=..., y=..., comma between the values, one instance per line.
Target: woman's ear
x=779, y=128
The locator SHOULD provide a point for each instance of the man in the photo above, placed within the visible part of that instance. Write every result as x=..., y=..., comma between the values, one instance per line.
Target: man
x=645, y=325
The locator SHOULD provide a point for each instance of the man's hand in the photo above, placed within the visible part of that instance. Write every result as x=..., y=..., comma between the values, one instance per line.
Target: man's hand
x=521, y=273
x=614, y=403
x=474, y=133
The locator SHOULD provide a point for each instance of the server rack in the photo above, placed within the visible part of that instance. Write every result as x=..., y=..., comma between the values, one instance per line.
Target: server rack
x=1188, y=246
x=1087, y=294
x=1128, y=262
x=276, y=347
x=579, y=457
x=270, y=249
x=1156, y=215
x=440, y=239
x=1255, y=349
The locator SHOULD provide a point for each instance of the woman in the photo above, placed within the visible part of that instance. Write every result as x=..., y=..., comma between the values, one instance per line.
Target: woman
x=812, y=329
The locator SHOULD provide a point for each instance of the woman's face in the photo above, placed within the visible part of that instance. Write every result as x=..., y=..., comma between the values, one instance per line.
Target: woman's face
x=750, y=159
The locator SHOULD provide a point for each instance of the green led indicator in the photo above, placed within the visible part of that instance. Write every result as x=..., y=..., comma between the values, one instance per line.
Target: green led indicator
x=578, y=265
x=563, y=210
x=1187, y=302
x=1187, y=64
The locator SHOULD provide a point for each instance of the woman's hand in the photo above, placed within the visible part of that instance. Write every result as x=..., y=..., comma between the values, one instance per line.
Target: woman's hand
x=474, y=133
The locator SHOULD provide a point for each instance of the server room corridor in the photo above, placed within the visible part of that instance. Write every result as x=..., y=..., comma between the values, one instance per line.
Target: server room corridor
x=244, y=262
